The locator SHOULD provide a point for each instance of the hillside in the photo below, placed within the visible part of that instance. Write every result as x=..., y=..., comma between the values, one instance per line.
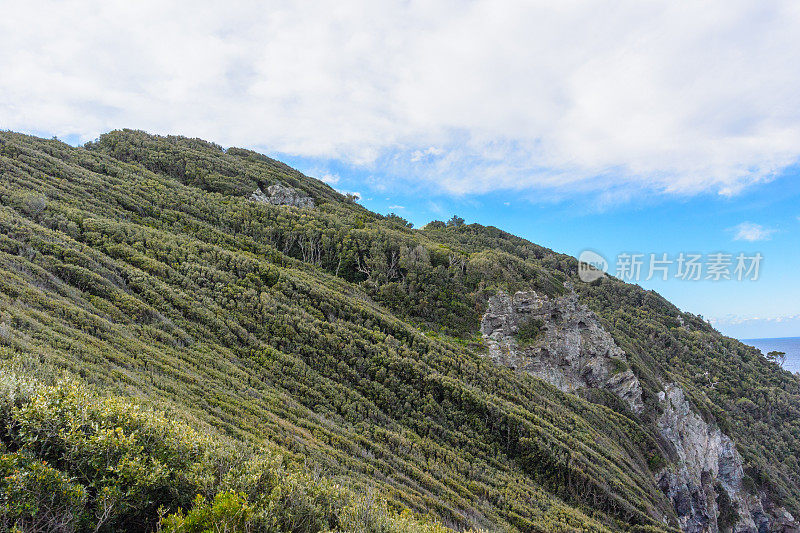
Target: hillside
x=178, y=319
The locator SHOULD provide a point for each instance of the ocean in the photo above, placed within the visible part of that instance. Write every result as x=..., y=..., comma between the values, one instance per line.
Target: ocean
x=789, y=345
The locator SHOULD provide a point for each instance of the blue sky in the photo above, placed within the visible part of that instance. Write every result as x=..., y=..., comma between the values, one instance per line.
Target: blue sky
x=649, y=127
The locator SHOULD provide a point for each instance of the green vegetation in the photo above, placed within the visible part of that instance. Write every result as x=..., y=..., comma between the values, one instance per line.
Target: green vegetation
x=777, y=357
x=618, y=365
x=727, y=511
x=201, y=358
x=528, y=331
x=750, y=397
x=75, y=459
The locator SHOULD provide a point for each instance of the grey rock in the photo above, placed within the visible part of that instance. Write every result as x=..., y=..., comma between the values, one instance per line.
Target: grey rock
x=279, y=194
x=708, y=462
x=572, y=350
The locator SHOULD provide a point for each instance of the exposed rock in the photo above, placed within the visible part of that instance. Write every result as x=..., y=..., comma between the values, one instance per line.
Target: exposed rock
x=561, y=341
x=708, y=464
x=279, y=194
x=569, y=348
x=783, y=521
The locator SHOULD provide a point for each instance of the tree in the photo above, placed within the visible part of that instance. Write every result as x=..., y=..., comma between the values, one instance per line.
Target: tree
x=455, y=222
x=777, y=357
x=435, y=224
x=393, y=217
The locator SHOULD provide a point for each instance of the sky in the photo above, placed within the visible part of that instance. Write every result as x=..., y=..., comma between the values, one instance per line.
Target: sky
x=622, y=127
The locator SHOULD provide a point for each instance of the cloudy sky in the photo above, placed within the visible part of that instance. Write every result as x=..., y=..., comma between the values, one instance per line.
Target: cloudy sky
x=639, y=126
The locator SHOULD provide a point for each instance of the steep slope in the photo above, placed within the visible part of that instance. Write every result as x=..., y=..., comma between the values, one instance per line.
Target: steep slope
x=563, y=343
x=76, y=459
x=261, y=303
x=737, y=400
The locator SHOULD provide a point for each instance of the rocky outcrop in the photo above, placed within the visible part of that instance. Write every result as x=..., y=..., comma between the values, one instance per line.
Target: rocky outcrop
x=559, y=341
x=279, y=194
x=782, y=520
x=707, y=463
x=705, y=483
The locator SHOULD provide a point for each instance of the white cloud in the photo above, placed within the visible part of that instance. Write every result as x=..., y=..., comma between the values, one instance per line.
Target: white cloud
x=356, y=194
x=435, y=207
x=658, y=96
x=329, y=178
x=749, y=231
x=419, y=155
x=396, y=207
x=755, y=327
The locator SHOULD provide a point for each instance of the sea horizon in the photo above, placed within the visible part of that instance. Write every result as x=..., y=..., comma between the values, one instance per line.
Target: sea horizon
x=789, y=345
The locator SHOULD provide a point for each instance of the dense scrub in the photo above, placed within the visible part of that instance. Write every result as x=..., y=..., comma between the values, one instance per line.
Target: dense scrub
x=73, y=459
x=342, y=341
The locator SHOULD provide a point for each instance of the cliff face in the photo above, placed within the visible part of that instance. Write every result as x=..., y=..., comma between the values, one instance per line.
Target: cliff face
x=561, y=341
x=279, y=194
x=705, y=483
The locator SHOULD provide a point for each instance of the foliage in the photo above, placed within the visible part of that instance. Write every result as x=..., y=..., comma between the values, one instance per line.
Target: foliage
x=85, y=461
x=37, y=497
x=397, y=219
x=278, y=354
x=731, y=384
x=229, y=512
x=728, y=515
x=529, y=330
x=777, y=357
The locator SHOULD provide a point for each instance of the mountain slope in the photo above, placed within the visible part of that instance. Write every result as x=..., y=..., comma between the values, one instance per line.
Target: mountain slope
x=349, y=342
